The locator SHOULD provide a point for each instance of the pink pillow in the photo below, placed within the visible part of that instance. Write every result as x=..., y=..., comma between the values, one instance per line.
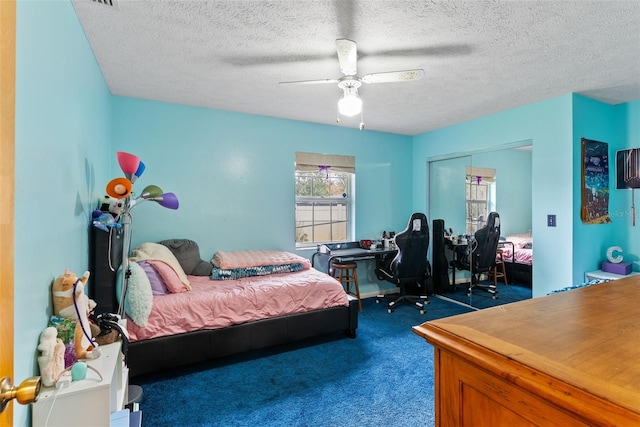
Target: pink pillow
x=157, y=284
x=169, y=277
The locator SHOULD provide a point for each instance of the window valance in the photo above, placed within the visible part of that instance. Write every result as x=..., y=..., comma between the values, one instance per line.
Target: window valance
x=312, y=162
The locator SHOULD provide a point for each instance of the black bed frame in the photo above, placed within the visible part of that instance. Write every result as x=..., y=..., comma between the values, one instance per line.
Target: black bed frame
x=519, y=273
x=178, y=350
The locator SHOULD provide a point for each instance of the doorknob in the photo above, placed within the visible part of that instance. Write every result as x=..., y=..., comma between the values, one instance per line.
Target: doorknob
x=27, y=392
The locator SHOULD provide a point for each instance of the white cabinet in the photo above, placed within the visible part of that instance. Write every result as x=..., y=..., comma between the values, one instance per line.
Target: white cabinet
x=87, y=402
x=603, y=275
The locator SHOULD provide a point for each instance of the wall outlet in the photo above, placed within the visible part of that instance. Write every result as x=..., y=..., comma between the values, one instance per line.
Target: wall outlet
x=551, y=220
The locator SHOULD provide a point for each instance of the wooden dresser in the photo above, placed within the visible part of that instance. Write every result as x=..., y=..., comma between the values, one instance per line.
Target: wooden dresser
x=567, y=359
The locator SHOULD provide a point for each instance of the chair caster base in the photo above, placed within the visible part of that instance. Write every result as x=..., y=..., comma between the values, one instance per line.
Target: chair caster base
x=404, y=298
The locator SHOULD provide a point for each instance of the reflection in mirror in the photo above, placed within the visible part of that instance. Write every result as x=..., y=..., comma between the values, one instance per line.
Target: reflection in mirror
x=463, y=189
x=480, y=196
x=447, y=184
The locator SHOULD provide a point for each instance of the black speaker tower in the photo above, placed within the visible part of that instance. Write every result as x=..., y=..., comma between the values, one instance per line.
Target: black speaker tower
x=440, y=263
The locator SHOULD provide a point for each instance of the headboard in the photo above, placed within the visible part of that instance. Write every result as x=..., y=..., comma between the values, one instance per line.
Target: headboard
x=105, y=257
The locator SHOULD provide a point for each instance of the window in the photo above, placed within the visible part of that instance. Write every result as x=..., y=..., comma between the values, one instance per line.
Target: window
x=323, y=201
x=480, y=195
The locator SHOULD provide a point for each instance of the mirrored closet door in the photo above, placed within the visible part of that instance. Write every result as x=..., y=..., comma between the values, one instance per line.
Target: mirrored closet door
x=463, y=190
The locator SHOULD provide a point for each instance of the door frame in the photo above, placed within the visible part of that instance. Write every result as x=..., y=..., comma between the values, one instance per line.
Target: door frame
x=7, y=189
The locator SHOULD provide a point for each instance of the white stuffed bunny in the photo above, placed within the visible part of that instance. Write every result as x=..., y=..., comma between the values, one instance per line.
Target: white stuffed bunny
x=51, y=359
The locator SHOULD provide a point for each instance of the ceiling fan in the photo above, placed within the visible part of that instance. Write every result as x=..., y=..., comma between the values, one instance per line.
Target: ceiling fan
x=350, y=104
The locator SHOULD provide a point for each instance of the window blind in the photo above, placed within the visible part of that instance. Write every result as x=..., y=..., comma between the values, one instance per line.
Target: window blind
x=486, y=174
x=312, y=162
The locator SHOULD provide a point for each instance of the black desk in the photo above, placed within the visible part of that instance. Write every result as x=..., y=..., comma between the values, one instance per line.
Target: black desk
x=458, y=251
x=348, y=252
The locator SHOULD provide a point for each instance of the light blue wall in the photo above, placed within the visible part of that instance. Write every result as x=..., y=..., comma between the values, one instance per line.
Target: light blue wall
x=596, y=121
x=233, y=175
x=63, y=132
x=548, y=124
x=627, y=128
x=619, y=126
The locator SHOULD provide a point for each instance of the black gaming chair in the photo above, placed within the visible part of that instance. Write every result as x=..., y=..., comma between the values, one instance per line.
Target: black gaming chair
x=480, y=256
x=410, y=269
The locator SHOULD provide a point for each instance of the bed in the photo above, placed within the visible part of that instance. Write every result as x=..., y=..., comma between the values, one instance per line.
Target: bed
x=517, y=252
x=259, y=299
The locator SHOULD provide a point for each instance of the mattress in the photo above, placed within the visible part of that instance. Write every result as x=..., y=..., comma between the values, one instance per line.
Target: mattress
x=212, y=304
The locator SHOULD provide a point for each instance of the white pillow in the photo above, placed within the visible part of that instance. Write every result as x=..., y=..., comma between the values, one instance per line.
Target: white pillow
x=139, y=298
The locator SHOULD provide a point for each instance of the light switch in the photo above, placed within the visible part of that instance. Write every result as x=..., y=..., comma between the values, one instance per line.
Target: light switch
x=551, y=220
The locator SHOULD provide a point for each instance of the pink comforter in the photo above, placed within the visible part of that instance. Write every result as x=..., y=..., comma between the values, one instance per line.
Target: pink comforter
x=522, y=256
x=215, y=304
x=516, y=243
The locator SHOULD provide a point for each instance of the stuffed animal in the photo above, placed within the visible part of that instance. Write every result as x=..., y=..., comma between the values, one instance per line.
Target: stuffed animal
x=116, y=207
x=104, y=221
x=111, y=204
x=103, y=338
x=70, y=301
x=104, y=203
x=51, y=359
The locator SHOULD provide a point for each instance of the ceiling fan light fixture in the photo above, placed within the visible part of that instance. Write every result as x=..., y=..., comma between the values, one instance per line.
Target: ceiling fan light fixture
x=350, y=105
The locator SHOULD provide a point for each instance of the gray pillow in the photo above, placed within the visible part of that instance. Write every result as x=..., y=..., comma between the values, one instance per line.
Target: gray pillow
x=187, y=253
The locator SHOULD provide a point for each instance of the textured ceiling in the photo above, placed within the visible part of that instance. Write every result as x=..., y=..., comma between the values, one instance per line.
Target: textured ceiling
x=479, y=57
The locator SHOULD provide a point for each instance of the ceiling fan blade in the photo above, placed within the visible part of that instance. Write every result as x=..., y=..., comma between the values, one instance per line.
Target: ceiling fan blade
x=310, y=82
x=345, y=12
x=394, y=76
x=441, y=50
x=347, y=56
x=252, y=60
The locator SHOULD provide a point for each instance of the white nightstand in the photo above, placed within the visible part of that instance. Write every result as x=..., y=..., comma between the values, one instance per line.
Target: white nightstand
x=90, y=401
x=603, y=275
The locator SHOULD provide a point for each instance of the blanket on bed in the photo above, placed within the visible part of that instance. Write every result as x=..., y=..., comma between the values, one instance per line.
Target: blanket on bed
x=244, y=259
x=261, y=270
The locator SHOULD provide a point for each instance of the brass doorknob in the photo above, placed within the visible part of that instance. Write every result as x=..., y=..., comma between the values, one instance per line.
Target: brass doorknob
x=27, y=392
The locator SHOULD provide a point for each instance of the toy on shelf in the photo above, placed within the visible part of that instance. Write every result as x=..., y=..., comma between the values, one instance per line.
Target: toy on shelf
x=51, y=358
x=70, y=302
x=104, y=221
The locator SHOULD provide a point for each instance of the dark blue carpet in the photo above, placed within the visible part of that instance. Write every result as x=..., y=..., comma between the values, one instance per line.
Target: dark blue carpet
x=482, y=299
x=384, y=377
